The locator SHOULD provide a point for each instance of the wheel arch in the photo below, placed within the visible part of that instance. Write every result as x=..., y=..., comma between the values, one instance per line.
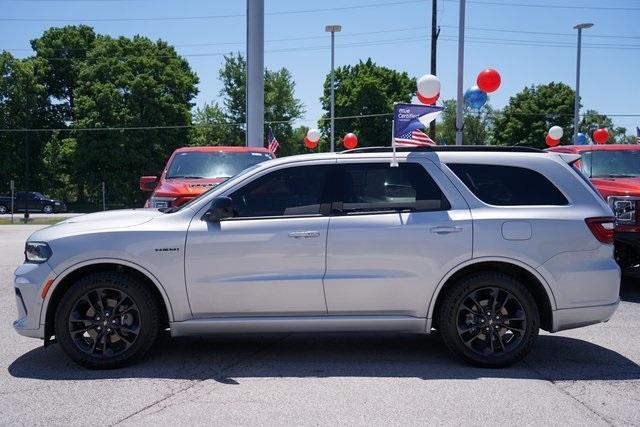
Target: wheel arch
x=535, y=283
x=69, y=276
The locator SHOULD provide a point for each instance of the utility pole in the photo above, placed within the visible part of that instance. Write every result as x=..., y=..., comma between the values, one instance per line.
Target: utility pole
x=460, y=97
x=255, y=74
x=333, y=29
x=435, y=32
x=576, y=110
x=26, y=158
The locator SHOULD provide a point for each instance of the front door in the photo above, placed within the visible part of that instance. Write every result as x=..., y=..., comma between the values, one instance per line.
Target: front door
x=394, y=233
x=269, y=259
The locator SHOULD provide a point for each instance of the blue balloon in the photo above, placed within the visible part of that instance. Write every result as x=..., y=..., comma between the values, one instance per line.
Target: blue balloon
x=475, y=98
x=581, y=139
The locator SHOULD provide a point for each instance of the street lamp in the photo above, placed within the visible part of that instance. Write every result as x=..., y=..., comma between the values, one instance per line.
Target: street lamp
x=576, y=112
x=333, y=29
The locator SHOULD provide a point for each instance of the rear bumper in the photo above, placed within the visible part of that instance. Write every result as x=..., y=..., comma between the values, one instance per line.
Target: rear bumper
x=583, y=316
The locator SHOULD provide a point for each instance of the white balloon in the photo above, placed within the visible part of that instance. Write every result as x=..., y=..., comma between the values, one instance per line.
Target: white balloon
x=428, y=86
x=556, y=132
x=313, y=135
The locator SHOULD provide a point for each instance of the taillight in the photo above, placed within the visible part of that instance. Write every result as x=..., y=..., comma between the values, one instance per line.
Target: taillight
x=602, y=228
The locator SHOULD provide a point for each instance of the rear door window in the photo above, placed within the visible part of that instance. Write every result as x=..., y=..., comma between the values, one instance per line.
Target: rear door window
x=377, y=187
x=508, y=185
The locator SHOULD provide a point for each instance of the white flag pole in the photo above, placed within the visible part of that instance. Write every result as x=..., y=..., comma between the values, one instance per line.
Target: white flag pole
x=394, y=161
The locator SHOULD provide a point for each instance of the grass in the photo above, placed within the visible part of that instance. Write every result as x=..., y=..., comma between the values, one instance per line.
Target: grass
x=19, y=220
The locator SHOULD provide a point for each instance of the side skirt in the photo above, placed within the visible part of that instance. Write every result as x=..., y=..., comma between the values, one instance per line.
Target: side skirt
x=290, y=324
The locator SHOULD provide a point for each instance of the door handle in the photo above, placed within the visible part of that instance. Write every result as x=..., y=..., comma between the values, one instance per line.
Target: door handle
x=304, y=234
x=445, y=229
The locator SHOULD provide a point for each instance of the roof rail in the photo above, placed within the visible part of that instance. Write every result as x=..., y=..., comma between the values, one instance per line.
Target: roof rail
x=430, y=148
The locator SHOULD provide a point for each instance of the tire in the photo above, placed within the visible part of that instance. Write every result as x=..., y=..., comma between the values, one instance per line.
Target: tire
x=48, y=209
x=512, y=327
x=104, y=339
x=3, y=210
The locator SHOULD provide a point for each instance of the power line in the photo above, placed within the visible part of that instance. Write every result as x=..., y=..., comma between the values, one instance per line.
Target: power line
x=214, y=125
x=547, y=6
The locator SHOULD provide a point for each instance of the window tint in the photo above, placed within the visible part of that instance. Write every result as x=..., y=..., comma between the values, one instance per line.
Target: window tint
x=508, y=185
x=292, y=191
x=379, y=187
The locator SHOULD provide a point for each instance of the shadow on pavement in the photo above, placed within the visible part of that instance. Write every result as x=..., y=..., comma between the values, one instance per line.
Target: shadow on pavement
x=228, y=359
x=630, y=290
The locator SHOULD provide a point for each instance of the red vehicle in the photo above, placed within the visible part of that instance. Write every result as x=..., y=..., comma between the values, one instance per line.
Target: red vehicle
x=614, y=170
x=190, y=171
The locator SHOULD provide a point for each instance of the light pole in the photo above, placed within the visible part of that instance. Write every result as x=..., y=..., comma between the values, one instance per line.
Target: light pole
x=576, y=111
x=255, y=74
x=460, y=98
x=333, y=29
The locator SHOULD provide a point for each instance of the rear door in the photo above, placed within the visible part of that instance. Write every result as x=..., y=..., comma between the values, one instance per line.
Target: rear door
x=393, y=235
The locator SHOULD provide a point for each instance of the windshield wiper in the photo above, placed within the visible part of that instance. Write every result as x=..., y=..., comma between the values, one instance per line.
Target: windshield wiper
x=185, y=177
x=620, y=175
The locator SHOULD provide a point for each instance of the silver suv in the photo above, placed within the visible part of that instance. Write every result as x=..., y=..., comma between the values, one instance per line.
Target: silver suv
x=485, y=245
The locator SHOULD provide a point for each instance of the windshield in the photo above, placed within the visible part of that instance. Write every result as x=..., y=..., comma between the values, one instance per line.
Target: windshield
x=611, y=163
x=215, y=164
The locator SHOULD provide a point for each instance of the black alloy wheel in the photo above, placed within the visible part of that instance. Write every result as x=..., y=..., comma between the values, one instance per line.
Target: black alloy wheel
x=490, y=320
x=106, y=320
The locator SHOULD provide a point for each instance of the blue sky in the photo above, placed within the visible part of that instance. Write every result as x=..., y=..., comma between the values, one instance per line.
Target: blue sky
x=533, y=44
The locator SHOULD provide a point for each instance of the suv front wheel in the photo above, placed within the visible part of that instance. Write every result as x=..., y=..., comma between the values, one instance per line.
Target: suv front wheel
x=489, y=319
x=106, y=320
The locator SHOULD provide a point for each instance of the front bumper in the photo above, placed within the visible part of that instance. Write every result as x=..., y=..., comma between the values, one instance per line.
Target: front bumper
x=627, y=252
x=28, y=283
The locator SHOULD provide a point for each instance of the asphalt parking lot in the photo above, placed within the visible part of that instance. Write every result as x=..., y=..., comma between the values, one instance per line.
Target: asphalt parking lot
x=589, y=375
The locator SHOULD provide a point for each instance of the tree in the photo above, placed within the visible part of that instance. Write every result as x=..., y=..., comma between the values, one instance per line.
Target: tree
x=130, y=83
x=281, y=107
x=361, y=90
x=593, y=120
x=529, y=114
x=211, y=128
x=59, y=56
x=477, y=125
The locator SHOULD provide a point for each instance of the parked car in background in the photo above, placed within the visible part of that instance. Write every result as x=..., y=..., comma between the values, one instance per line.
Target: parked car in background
x=485, y=244
x=191, y=171
x=32, y=200
x=614, y=171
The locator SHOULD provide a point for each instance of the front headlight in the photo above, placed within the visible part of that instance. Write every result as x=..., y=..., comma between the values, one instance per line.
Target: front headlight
x=624, y=209
x=37, y=252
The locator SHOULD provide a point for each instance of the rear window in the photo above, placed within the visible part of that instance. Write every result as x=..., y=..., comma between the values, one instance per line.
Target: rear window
x=508, y=185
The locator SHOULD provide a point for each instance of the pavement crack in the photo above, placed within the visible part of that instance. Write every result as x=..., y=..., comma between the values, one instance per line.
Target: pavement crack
x=218, y=376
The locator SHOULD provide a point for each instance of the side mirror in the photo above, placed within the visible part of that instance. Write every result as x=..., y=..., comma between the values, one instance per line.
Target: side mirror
x=221, y=208
x=148, y=183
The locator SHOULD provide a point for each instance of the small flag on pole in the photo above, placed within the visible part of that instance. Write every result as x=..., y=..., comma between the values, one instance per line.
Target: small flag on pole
x=637, y=135
x=414, y=138
x=272, y=142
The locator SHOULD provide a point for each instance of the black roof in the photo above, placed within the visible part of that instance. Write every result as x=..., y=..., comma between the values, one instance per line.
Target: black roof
x=429, y=148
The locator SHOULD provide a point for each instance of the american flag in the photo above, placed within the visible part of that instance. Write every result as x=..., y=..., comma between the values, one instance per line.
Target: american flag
x=272, y=142
x=414, y=138
x=637, y=135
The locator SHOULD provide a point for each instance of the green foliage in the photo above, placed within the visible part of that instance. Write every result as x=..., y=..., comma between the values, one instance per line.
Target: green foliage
x=211, y=128
x=593, y=120
x=58, y=157
x=130, y=83
x=281, y=107
x=360, y=90
x=477, y=125
x=529, y=114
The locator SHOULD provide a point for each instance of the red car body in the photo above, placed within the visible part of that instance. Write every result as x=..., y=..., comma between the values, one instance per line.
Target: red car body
x=616, y=176
x=171, y=190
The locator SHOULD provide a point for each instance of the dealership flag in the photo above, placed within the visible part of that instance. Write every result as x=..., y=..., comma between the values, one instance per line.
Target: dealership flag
x=408, y=120
x=272, y=142
x=637, y=135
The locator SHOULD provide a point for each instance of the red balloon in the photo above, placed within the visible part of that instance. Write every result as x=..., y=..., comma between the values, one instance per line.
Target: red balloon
x=310, y=144
x=489, y=80
x=427, y=101
x=552, y=142
x=600, y=136
x=350, y=141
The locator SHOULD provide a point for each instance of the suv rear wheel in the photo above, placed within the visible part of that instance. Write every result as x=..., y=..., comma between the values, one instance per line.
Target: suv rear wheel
x=106, y=320
x=489, y=319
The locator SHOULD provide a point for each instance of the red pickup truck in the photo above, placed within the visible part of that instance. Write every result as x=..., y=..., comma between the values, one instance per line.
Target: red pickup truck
x=190, y=171
x=614, y=170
